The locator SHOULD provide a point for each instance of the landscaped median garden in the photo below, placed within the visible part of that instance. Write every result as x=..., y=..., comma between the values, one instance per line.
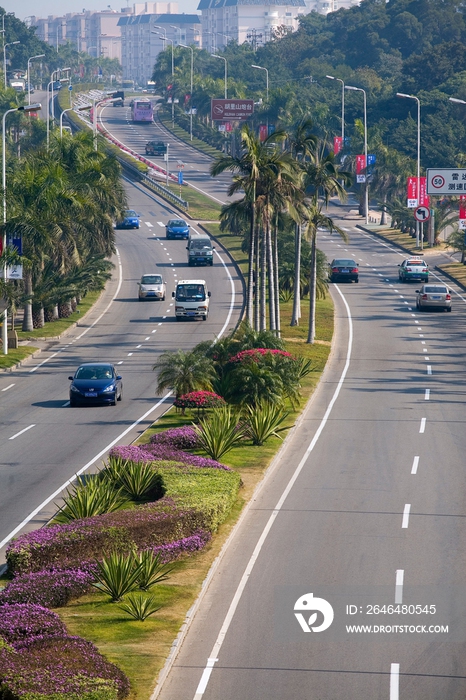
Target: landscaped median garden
x=95, y=599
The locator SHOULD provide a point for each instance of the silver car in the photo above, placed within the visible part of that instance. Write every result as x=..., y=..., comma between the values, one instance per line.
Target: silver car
x=152, y=286
x=433, y=296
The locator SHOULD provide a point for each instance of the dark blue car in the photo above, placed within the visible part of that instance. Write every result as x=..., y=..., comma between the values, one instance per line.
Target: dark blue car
x=130, y=220
x=95, y=383
x=177, y=228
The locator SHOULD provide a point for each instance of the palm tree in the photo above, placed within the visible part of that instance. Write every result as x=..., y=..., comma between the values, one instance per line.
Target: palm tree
x=303, y=144
x=184, y=372
x=323, y=178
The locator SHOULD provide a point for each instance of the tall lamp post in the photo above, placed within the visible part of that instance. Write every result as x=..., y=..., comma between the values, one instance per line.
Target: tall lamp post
x=215, y=55
x=191, y=97
x=331, y=77
x=165, y=38
x=41, y=55
x=366, y=188
x=11, y=43
x=28, y=108
x=413, y=97
x=266, y=81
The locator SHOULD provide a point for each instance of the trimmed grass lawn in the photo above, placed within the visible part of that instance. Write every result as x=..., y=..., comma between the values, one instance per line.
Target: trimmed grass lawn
x=16, y=356
x=201, y=207
x=456, y=270
x=166, y=119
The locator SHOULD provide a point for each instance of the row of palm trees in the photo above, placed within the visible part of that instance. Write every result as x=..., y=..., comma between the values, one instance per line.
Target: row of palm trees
x=287, y=176
x=62, y=202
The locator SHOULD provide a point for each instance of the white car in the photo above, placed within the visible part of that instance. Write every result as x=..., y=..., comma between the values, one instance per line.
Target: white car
x=152, y=286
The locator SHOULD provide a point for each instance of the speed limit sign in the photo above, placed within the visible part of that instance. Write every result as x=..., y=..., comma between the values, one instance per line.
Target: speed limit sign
x=422, y=214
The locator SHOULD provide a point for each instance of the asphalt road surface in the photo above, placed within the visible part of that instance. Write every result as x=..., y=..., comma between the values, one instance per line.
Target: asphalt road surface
x=117, y=121
x=365, y=507
x=43, y=441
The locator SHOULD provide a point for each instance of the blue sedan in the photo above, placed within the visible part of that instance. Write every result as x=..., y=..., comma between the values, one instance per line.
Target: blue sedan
x=130, y=220
x=177, y=228
x=95, y=383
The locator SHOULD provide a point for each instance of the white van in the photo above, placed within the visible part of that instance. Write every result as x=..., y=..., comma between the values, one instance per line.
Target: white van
x=200, y=249
x=191, y=299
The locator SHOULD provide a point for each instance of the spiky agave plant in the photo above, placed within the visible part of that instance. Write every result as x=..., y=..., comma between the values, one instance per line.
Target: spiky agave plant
x=137, y=480
x=151, y=569
x=265, y=421
x=87, y=498
x=139, y=606
x=117, y=575
x=220, y=432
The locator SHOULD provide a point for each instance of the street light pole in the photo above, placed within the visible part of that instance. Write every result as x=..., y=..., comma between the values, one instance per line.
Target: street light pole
x=215, y=55
x=366, y=193
x=331, y=77
x=11, y=43
x=41, y=55
x=165, y=38
x=418, y=192
x=266, y=81
x=29, y=108
x=191, y=96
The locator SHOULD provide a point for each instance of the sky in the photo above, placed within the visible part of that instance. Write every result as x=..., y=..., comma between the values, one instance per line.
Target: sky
x=43, y=8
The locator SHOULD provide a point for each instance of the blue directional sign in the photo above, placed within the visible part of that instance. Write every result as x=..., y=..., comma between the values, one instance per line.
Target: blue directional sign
x=180, y=177
x=70, y=87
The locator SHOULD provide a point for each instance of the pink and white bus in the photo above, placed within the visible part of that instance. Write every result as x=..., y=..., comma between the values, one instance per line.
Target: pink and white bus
x=142, y=110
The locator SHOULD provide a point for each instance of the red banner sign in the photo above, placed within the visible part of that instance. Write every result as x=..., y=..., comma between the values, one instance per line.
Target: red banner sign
x=462, y=215
x=234, y=110
x=411, y=193
x=424, y=199
x=263, y=132
x=337, y=144
x=360, y=164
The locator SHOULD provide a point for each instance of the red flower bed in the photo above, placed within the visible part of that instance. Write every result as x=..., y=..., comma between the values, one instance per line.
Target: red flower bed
x=256, y=353
x=199, y=399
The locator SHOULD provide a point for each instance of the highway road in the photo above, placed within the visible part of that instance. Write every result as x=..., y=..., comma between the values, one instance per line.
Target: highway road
x=117, y=121
x=365, y=506
x=44, y=442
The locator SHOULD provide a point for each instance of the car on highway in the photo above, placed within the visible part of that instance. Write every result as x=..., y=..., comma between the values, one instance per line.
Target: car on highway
x=433, y=296
x=95, y=383
x=152, y=286
x=413, y=268
x=155, y=148
x=343, y=269
x=177, y=228
x=130, y=220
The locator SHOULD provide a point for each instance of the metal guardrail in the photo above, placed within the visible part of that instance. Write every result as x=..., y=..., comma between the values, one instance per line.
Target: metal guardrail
x=160, y=189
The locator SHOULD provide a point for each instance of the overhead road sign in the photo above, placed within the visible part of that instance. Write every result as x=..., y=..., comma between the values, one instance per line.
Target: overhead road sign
x=446, y=181
x=422, y=214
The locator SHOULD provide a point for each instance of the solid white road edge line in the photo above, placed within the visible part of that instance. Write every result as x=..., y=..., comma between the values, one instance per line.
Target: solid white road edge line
x=244, y=579
x=399, y=585
x=83, y=469
x=120, y=281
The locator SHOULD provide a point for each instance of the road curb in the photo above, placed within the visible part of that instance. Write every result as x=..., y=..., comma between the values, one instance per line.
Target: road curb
x=450, y=277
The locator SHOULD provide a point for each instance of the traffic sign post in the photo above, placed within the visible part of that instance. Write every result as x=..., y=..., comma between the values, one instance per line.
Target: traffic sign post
x=422, y=214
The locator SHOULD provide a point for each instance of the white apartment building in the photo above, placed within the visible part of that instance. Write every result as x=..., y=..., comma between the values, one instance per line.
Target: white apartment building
x=253, y=21
x=326, y=6
x=141, y=40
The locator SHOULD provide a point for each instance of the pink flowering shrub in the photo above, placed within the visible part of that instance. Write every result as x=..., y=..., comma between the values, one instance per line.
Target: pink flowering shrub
x=156, y=452
x=71, y=544
x=52, y=588
x=62, y=668
x=22, y=622
x=183, y=438
x=256, y=353
x=187, y=545
x=199, y=399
